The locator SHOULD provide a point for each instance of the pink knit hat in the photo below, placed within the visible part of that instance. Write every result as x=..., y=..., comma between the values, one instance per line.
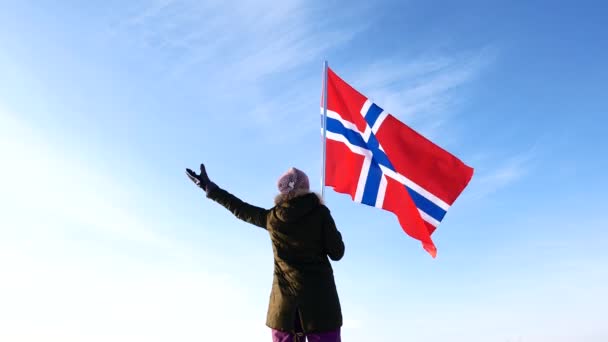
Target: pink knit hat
x=292, y=180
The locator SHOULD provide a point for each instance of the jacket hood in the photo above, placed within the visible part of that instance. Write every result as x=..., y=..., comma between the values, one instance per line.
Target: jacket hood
x=295, y=208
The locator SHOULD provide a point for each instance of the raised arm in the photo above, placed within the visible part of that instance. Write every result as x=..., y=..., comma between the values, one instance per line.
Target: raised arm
x=240, y=209
x=332, y=239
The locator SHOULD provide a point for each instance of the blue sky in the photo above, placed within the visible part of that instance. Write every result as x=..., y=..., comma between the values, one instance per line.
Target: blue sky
x=103, y=105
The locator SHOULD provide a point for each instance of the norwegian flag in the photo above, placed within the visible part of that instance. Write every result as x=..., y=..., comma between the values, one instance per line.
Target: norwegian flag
x=381, y=162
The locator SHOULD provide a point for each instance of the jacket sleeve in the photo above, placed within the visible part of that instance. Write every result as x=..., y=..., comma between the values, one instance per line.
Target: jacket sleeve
x=332, y=239
x=242, y=210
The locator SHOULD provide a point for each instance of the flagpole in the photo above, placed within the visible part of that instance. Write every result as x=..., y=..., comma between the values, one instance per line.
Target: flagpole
x=324, y=125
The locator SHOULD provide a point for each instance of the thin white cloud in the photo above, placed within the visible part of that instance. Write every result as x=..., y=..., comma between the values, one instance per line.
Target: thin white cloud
x=235, y=46
x=232, y=51
x=490, y=179
x=236, y=40
x=423, y=92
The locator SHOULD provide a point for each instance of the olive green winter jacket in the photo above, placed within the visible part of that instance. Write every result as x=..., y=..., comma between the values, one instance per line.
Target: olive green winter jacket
x=303, y=236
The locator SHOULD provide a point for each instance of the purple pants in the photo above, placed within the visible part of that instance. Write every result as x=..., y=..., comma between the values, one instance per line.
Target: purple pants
x=282, y=336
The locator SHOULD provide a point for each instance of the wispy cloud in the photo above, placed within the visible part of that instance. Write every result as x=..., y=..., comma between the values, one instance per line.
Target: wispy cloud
x=242, y=40
x=498, y=175
x=424, y=91
x=233, y=51
x=236, y=48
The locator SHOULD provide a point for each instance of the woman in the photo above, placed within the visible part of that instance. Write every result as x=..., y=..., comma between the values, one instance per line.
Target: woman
x=304, y=300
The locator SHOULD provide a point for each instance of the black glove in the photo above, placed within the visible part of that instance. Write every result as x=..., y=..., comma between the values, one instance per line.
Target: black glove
x=201, y=180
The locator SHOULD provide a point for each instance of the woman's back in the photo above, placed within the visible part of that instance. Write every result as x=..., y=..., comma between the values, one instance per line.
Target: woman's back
x=303, y=234
x=300, y=229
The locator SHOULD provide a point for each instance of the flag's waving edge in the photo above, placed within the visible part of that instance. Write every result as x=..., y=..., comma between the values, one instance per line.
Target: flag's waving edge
x=381, y=162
